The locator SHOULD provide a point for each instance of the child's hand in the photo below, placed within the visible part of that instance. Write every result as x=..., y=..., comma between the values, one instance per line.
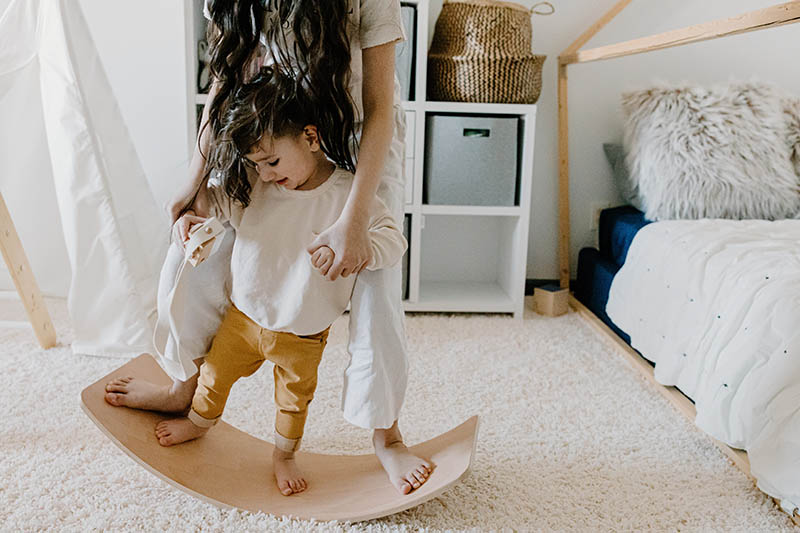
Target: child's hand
x=183, y=226
x=322, y=259
x=349, y=238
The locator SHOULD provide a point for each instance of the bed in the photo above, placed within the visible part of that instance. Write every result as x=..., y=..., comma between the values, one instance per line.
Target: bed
x=723, y=332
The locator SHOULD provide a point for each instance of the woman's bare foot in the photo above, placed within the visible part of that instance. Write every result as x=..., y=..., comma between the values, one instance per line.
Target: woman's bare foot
x=177, y=430
x=290, y=479
x=406, y=471
x=141, y=394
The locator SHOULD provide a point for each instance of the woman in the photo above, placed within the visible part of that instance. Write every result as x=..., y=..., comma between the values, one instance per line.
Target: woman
x=342, y=53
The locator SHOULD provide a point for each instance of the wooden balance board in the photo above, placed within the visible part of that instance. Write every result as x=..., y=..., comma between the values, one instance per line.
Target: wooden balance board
x=230, y=468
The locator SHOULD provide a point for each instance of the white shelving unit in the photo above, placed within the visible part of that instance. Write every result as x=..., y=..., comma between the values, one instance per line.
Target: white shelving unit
x=195, y=28
x=462, y=258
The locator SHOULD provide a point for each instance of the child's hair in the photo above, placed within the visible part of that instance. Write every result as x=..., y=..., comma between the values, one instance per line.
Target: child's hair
x=318, y=65
x=268, y=105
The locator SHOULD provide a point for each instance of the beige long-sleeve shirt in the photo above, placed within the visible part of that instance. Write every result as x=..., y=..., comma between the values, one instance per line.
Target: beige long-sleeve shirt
x=273, y=280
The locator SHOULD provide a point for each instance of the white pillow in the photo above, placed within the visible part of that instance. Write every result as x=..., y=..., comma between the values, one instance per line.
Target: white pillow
x=728, y=151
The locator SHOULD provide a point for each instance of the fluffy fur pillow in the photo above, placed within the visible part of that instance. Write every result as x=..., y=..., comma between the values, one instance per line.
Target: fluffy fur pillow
x=723, y=152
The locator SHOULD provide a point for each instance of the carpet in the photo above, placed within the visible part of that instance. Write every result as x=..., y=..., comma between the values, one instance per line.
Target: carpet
x=571, y=439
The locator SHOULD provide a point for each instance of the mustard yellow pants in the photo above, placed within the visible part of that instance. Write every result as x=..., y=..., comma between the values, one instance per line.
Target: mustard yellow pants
x=239, y=349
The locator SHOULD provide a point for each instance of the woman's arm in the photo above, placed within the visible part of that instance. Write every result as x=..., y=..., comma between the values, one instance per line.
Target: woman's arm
x=348, y=237
x=386, y=238
x=191, y=191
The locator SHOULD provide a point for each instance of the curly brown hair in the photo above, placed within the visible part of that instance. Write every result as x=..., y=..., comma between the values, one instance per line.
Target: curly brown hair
x=268, y=105
x=316, y=62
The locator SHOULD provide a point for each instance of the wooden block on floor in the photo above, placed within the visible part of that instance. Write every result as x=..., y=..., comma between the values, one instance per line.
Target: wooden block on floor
x=550, y=300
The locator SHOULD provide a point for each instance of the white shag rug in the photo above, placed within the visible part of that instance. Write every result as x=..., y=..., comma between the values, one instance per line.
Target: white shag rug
x=571, y=438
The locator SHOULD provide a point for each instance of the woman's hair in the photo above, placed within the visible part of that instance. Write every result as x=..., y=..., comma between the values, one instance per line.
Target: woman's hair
x=315, y=57
x=268, y=105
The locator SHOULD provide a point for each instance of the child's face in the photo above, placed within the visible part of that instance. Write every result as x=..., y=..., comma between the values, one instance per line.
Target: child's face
x=289, y=161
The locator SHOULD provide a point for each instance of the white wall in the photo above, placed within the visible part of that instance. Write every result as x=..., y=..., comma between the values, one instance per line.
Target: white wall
x=769, y=55
x=142, y=47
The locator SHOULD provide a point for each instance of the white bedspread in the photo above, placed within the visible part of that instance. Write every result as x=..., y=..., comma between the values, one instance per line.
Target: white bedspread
x=715, y=304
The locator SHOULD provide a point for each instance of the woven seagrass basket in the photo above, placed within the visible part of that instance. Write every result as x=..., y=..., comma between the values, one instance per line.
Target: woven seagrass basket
x=481, y=52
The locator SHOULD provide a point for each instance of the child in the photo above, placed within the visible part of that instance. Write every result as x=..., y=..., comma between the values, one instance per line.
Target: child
x=282, y=305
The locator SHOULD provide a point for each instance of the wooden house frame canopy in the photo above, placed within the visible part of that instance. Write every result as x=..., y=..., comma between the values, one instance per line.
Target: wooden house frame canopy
x=770, y=17
x=778, y=15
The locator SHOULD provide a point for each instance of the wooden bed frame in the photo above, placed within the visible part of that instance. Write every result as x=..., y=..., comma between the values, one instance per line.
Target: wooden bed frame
x=778, y=15
x=770, y=17
x=675, y=396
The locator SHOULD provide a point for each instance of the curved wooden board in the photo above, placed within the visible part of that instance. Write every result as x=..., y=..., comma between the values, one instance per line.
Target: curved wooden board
x=230, y=468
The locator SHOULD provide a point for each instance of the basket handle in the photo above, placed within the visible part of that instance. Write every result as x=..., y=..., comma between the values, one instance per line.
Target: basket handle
x=532, y=9
x=545, y=4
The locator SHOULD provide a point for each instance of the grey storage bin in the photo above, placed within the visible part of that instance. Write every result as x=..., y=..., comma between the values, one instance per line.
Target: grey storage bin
x=471, y=160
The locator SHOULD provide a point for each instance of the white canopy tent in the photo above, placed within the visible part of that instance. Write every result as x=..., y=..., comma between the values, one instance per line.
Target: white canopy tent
x=67, y=161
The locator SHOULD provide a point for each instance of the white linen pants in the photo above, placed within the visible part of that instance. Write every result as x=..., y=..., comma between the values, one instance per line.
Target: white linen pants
x=376, y=376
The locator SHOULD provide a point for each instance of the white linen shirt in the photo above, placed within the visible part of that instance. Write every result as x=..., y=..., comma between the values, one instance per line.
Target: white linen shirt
x=272, y=278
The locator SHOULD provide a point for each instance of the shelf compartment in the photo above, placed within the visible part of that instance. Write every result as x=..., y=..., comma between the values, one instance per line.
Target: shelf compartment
x=472, y=160
x=467, y=263
x=462, y=297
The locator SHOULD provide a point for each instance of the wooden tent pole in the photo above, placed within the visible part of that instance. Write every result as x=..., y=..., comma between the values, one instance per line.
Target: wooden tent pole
x=24, y=281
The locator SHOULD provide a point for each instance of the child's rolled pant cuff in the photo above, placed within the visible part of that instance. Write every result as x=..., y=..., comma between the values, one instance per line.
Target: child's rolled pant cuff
x=287, y=445
x=199, y=421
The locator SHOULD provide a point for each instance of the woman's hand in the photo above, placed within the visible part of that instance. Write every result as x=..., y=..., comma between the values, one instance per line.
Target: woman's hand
x=349, y=240
x=191, y=195
x=183, y=227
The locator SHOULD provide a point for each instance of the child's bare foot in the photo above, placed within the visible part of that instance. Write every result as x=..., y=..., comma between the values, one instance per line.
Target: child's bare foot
x=406, y=471
x=290, y=479
x=141, y=394
x=177, y=430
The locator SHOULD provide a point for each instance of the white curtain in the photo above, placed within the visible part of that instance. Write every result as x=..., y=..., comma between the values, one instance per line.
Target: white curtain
x=65, y=150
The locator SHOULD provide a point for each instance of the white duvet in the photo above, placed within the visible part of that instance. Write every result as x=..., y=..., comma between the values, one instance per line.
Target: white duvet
x=715, y=304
